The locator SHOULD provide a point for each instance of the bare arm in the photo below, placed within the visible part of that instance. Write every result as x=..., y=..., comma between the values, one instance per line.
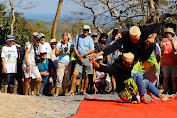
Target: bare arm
x=57, y=52
x=3, y=65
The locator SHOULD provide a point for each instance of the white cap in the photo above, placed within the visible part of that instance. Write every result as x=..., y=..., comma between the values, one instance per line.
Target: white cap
x=53, y=40
x=43, y=50
x=99, y=57
x=86, y=27
x=35, y=33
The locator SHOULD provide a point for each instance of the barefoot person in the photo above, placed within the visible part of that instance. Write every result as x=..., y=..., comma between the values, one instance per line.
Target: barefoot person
x=121, y=70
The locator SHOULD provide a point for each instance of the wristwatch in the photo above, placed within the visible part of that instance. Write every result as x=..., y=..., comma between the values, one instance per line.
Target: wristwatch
x=84, y=55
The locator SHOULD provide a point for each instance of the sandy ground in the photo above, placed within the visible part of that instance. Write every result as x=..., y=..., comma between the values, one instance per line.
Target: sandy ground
x=20, y=106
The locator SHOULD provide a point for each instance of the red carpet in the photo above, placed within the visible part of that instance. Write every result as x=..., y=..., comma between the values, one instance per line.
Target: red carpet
x=115, y=109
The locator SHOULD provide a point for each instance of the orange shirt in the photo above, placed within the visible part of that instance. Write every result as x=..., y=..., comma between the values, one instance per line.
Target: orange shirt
x=168, y=57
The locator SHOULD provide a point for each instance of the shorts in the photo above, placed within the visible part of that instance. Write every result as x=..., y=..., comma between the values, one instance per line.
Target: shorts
x=85, y=67
x=169, y=71
x=9, y=79
x=34, y=72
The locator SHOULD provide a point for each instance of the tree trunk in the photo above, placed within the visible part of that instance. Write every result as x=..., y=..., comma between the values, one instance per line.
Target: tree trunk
x=56, y=19
x=13, y=18
x=144, y=20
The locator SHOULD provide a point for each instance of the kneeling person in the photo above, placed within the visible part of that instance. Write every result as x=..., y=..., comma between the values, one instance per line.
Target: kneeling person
x=46, y=69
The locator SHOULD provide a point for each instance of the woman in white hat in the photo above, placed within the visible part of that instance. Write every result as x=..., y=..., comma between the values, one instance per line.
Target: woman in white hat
x=53, y=44
x=169, y=60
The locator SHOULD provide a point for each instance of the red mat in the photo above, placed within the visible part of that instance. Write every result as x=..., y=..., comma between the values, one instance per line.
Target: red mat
x=116, y=109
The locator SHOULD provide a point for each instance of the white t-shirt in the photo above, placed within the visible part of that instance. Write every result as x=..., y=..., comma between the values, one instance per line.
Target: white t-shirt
x=10, y=55
x=47, y=47
x=101, y=75
x=157, y=50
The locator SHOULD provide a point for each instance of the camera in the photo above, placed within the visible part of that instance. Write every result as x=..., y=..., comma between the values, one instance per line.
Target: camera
x=37, y=59
x=65, y=49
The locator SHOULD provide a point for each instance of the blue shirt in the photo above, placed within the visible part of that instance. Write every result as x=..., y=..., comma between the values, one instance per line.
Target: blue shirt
x=109, y=40
x=64, y=57
x=84, y=45
x=47, y=66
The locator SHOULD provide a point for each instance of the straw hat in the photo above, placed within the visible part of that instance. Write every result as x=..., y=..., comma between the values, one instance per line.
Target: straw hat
x=128, y=57
x=169, y=30
x=134, y=32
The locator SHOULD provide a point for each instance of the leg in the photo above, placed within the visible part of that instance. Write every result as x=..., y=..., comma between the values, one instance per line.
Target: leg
x=165, y=84
x=73, y=82
x=39, y=81
x=174, y=84
x=113, y=83
x=6, y=82
x=67, y=72
x=26, y=85
x=82, y=85
x=86, y=80
x=11, y=82
x=32, y=86
x=166, y=75
x=138, y=78
x=43, y=84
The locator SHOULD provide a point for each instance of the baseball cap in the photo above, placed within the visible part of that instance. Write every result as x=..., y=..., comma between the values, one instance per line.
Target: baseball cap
x=94, y=33
x=99, y=57
x=43, y=51
x=42, y=35
x=37, y=37
x=53, y=40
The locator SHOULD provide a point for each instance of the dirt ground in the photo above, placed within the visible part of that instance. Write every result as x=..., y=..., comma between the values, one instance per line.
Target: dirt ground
x=20, y=106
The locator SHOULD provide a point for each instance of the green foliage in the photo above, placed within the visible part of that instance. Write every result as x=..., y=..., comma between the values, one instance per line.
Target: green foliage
x=22, y=29
x=75, y=29
x=40, y=27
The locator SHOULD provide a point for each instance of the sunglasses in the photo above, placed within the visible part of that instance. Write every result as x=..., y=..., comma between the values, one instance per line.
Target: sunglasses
x=43, y=53
x=94, y=35
x=86, y=30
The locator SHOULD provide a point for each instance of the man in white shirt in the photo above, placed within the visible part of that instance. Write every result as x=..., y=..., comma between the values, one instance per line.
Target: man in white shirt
x=45, y=45
x=9, y=63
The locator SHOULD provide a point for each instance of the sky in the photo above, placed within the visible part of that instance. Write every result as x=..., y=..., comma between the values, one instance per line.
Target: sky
x=46, y=9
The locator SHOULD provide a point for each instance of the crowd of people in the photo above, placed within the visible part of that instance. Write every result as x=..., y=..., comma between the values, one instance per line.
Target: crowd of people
x=129, y=63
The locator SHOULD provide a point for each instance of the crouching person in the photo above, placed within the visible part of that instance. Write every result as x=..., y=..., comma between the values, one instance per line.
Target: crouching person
x=46, y=69
x=29, y=66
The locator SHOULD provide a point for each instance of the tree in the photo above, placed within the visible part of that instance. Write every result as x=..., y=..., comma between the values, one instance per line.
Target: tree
x=115, y=13
x=56, y=19
x=29, y=4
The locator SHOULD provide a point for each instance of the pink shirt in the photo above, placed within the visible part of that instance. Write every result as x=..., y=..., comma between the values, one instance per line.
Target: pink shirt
x=168, y=57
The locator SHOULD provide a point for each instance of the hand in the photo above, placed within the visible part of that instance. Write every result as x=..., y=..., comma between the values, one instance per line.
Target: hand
x=5, y=70
x=28, y=69
x=93, y=57
x=148, y=42
x=50, y=80
x=46, y=73
x=67, y=53
x=80, y=57
x=62, y=50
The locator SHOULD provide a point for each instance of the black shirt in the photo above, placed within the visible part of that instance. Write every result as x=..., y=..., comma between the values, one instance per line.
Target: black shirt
x=138, y=49
x=119, y=72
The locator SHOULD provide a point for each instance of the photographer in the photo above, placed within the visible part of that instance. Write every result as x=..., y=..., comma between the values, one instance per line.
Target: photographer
x=63, y=50
x=29, y=66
